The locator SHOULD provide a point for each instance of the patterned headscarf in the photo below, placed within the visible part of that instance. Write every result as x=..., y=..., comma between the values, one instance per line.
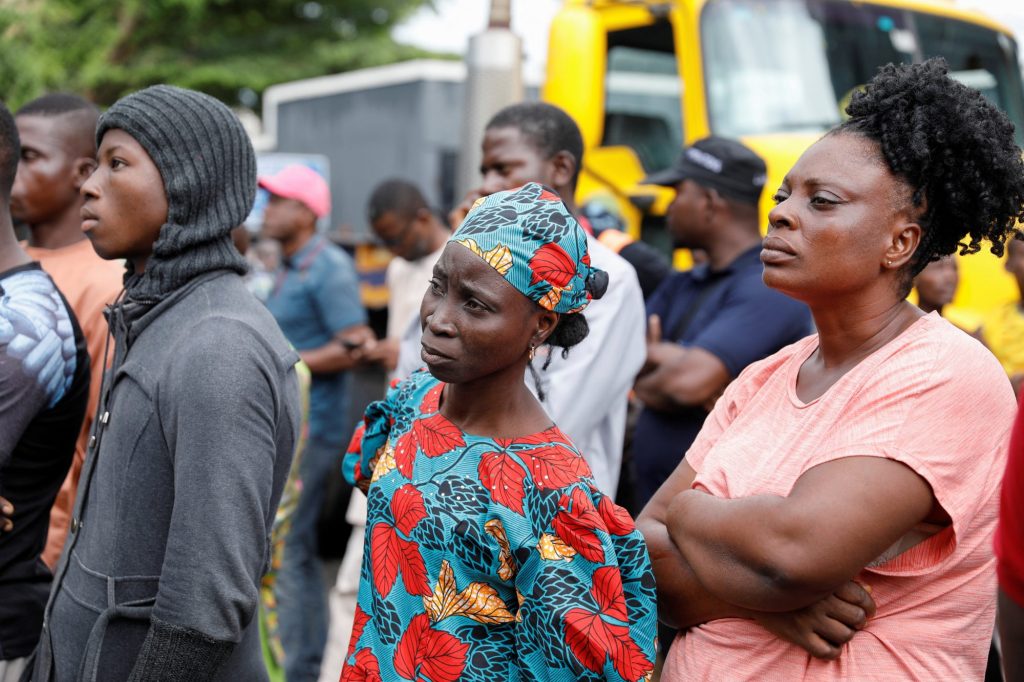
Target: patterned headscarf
x=531, y=239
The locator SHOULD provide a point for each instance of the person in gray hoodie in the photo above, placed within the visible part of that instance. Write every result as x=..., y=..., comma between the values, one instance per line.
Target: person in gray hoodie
x=198, y=417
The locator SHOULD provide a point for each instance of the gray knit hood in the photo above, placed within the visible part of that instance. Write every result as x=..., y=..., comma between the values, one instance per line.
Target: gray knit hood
x=208, y=168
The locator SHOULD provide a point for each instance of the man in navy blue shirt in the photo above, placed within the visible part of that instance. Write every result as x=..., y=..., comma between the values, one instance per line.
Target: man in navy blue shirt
x=706, y=324
x=315, y=300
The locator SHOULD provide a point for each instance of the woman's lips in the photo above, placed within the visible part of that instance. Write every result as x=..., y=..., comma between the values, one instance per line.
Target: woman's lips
x=775, y=250
x=431, y=356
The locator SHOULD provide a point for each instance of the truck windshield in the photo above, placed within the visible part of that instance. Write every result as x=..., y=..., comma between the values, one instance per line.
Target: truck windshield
x=791, y=65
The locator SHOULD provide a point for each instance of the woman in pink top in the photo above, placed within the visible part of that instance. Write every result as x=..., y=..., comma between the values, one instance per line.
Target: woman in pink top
x=859, y=468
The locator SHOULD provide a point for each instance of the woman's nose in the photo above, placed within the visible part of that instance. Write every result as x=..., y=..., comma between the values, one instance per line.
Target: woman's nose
x=439, y=320
x=780, y=218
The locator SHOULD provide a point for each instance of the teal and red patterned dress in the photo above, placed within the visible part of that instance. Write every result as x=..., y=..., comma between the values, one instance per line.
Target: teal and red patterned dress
x=489, y=559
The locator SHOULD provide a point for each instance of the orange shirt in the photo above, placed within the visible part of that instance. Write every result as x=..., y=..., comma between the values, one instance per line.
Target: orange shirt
x=88, y=283
x=933, y=399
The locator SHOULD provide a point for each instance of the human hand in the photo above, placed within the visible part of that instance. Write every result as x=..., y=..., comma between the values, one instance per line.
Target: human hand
x=358, y=341
x=6, y=515
x=823, y=628
x=458, y=214
x=384, y=352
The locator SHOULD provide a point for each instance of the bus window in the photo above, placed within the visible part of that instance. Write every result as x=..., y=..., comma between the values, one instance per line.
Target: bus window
x=765, y=69
x=642, y=102
x=782, y=65
x=979, y=58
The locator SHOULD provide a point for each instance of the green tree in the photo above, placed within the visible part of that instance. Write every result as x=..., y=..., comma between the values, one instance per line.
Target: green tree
x=232, y=49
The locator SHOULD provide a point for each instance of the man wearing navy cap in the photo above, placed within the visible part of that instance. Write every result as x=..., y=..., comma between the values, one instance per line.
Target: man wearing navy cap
x=708, y=323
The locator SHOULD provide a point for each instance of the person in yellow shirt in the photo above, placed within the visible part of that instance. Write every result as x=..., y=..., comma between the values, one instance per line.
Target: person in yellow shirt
x=1002, y=330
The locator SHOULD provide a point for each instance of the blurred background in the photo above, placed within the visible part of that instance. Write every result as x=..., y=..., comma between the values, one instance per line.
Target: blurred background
x=363, y=90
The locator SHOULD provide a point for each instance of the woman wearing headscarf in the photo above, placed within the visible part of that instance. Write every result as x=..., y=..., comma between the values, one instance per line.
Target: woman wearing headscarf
x=865, y=458
x=198, y=416
x=490, y=552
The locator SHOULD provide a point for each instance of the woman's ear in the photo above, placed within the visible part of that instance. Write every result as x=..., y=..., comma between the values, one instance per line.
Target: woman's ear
x=547, y=320
x=906, y=236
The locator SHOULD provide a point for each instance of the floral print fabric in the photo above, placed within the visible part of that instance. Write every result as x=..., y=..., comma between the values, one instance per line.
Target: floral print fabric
x=532, y=240
x=490, y=559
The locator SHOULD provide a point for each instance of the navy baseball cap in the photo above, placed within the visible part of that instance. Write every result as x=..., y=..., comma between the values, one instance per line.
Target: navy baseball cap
x=718, y=163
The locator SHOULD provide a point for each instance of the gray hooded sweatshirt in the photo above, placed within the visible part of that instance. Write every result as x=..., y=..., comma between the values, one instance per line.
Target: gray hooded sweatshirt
x=193, y=440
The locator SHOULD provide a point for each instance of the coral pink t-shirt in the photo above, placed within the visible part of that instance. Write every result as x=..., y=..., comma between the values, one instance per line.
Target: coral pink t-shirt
x=934, y=399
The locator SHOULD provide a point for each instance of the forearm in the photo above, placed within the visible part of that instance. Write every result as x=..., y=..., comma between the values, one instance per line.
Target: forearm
x=744, y=551
x=676, y=386
x=683, y=601
x=330, y=358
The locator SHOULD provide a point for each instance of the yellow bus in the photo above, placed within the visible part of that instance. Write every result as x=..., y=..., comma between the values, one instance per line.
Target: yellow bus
x=644, y=77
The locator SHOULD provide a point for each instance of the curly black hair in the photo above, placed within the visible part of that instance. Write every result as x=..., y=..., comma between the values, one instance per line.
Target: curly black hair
x=571, y=329
x=953, y=148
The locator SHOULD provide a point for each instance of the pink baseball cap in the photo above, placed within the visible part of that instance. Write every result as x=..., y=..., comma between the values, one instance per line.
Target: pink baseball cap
x=301, y=183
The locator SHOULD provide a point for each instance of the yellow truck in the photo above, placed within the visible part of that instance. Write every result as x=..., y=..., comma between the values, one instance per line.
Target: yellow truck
x=644, y=77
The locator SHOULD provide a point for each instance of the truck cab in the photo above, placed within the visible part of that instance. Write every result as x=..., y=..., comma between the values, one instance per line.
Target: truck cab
x=644, y=77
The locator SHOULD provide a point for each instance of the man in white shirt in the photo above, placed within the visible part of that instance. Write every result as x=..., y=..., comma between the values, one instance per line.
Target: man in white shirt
x=402, y=220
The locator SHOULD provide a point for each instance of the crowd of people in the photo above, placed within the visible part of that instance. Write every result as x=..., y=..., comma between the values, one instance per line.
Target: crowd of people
x=585, y=465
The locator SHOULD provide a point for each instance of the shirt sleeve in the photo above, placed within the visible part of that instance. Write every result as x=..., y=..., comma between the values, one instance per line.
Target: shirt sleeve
x=1010, y=533
x=370, y=438
x=21, y=398
x=586, y=593
x=228, y=418
x=337, y=294
x=777, y=319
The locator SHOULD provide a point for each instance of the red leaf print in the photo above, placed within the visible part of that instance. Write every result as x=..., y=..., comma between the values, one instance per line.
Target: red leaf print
x=405, y=453
x=503, y=478
x=384, y=557
x=607, y=590
x=407, y=653
x=547, y=195
x=579, y=536
x=592, y=640
x=617, y=519
x=356, y=444
x=414, y=573
x=553, y=265
x=365, y=669
x=554, y=467
x=432, y=400
x=552, y=434
x=443, y=656
x=587, y=636
x=627, y=656
x=407, y=508
x=437, y=435
x=583, y=509
x=358, y=624
x=435, y=654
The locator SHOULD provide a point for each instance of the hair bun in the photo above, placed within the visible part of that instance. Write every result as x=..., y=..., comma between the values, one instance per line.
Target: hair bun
x=597, y=283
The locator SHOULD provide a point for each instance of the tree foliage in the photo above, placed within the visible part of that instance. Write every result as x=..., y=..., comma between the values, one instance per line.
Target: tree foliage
x=232, y=49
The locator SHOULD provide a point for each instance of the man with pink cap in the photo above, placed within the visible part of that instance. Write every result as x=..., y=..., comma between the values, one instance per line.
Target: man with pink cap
x=315, y=299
